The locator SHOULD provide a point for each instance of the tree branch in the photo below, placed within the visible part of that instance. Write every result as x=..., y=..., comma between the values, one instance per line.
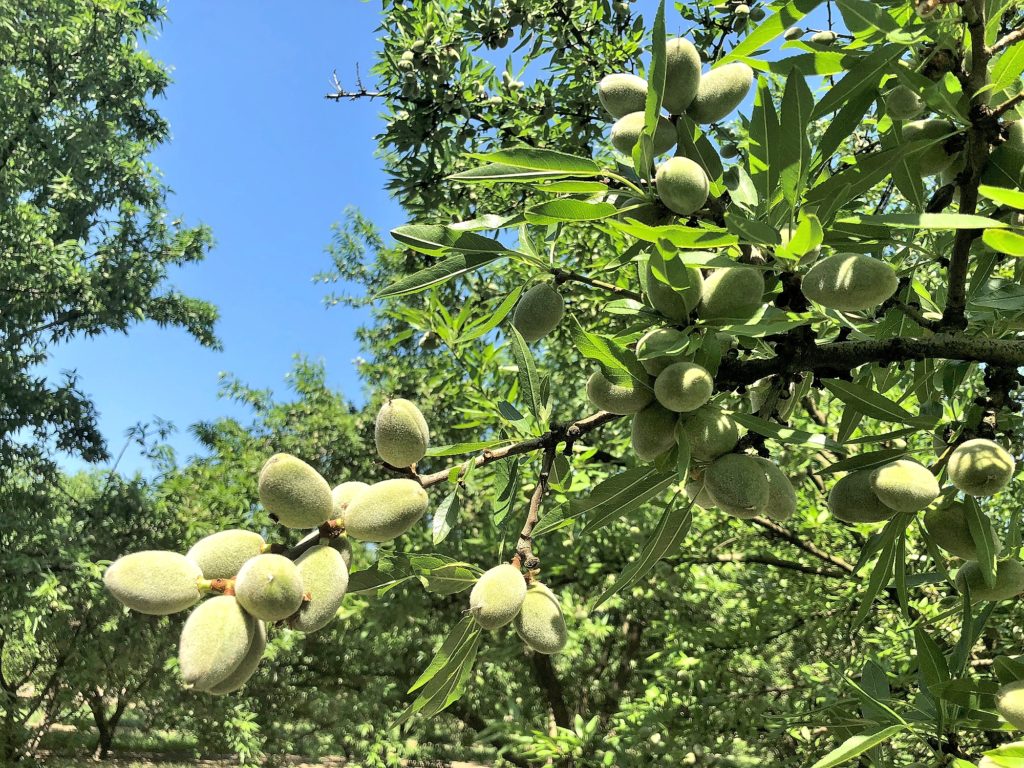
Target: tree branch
x=1005, y=42
x=567, y=275
x=842, y=356
x=524, y=548
x=779, y=532
x=775, y=562
x=976, y=154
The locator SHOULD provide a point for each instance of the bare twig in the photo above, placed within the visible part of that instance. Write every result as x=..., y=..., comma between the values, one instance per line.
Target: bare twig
x=779, y=532
x=568, y=275
x=1005, y=42
x=775, y=562
x=524, y=548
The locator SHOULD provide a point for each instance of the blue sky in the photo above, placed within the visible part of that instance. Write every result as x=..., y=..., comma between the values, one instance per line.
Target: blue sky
x=258, y=154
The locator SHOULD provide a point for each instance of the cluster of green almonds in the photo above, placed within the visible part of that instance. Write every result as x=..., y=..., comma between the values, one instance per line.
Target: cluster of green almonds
x=503, y=596
x=944, y=156
x=681, y=182
x=976, y=467
x=224, y=638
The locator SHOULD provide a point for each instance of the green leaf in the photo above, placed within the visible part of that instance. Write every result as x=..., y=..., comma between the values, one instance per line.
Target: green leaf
x=643, y=152
x=618, y=364
x=461, y=633
x=861, y=16
x=568, y=209
x=501, y=172
x=981, y=535
x=694, y=144
x=865, y=73
x=621, y=494
x=493, y=318
x=442, y=271
x=697, y=238
x=764, y=152
x=1004, y=241
x=864, y=461
x=808, y=236
x=450, y=578
x=1007, y=70
x=883, y=569
x=1011, y=197
x=750, y=230
x=770, y=28
x=571, y=187
x=461, y=449
x=672, y=529
x=446, y=516
x=871, y=403
x=506, y=488
x=795, y=151
x=547, y=160
x=529, y=383
x=435, y=239
x=857, y=745
x=783, y=434
x=924, y=221
x=931, y=663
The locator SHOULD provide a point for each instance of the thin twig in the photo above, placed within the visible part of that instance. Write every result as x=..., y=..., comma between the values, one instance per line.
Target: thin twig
x=1005, y=42
x=568, y=275
x=524, y=548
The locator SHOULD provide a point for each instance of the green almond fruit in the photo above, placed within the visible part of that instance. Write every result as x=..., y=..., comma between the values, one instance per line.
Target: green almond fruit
x=905, y=485
x=738, y=485
x=247, y=667
x=400, y=433
x=1009, y=581
x=935, y=158
x=980, y=467
x=679, y=294
x=497, y=596
x=710, y=433
x=732, y=293
x=948, y=528
x=781, y=495
x=214, y=641
x=386, y=511
x=721, y=90
x=902, y=103
x=220, y=555
x=345, y=493
x=627, y=129
x=684, y=387
x=154, y=582
x=539, y=622
x=538, y=312
x=622, y=94
x=682, y=75
x=682, y=185
x=269, y=587
x=324, y=574
x=623, y=399
x=293, y=492
x=1010, y=704
x=850, y=282
x=853, y=501
x=656, y=340
x=653, y=432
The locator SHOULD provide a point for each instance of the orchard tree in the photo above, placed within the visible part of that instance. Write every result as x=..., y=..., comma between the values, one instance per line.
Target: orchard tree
x=85, y=240
x=786, y=283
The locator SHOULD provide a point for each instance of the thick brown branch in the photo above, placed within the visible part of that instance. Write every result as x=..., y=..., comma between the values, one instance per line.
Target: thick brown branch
x=843, y=356
x=1007, y=105
x=976, y=155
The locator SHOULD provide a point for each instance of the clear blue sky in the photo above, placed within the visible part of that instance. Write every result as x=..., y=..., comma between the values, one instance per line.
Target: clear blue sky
x=258, y=154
